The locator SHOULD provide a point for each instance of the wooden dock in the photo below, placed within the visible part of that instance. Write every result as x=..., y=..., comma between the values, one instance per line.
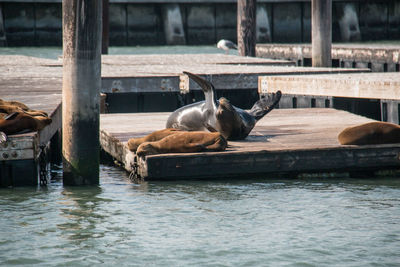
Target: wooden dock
x=286, y=141
x=37, y=82
x=34, y=82
x=163, y=73
x=377, y=57
x=384, y=87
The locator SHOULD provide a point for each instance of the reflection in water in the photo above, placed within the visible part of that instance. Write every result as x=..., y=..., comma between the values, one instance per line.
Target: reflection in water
x=81, y=211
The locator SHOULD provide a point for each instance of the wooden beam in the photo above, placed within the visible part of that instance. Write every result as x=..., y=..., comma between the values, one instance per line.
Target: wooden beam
x=246, y=27
x=321, y=15
x=81, y=91
x=356, y=85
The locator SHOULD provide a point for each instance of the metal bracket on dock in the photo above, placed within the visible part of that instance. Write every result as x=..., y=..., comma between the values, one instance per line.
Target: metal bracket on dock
x=184, y=84
x=263, y=86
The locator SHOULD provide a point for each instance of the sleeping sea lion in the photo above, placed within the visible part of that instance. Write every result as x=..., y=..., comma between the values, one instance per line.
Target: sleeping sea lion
x=134, y=143
x=8, y=109
x=20, y=122
x=372, y=133
x=184, y=142
x=220, y=115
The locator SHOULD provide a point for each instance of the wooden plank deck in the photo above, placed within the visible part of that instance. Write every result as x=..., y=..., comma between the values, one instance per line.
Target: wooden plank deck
x=285, y=141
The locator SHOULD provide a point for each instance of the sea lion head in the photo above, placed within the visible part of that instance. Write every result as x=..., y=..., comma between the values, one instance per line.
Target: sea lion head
x=228, y=119
x=133, y=144
x=41, y=122
x=146, y=148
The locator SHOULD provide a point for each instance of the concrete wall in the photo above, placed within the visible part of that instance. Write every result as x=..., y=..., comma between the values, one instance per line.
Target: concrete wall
x=206, y=22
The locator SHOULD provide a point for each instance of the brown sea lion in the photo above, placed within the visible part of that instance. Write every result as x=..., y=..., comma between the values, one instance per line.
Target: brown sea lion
x=20, y=121
x=134, y=143
x=6, y=108
x=184, y=142
x=372, y=133
x=14, y=103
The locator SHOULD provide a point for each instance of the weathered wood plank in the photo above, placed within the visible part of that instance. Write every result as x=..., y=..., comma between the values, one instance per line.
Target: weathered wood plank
x=371, y=85
x=378, y=53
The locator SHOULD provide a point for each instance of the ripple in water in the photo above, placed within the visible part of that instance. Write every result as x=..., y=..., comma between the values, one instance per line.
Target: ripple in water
x=252, y=222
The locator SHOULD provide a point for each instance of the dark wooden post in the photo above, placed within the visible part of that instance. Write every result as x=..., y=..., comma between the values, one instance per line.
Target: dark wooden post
x=106, y=28
x=321, y=13
x=81, y=91
x=246, y=27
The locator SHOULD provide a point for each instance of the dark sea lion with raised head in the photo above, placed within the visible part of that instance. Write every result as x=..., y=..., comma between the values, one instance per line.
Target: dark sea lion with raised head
x=371, y=133
x=220, y=115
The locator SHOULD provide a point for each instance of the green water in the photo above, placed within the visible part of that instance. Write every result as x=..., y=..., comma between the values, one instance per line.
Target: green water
x=241, y=222
x=55, y=52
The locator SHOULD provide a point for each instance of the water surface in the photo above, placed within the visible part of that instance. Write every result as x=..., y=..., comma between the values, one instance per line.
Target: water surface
x=241, y=222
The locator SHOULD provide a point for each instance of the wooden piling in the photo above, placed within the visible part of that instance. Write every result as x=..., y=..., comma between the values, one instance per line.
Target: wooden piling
x=246, y=27
x=3, y=40
x=321, y=13
x=106, y=28
x=81, y=91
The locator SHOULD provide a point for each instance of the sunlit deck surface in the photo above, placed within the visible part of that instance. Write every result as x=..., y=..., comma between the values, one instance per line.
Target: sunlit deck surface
x=285, y=141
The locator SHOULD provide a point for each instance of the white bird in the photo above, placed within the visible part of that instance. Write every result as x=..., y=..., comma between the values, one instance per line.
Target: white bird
x=226, y=45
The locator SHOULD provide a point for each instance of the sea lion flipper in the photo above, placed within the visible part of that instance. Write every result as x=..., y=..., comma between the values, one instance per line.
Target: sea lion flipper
x=3, y=137
x=209, y=92
x=204, y=84
x=263, y=106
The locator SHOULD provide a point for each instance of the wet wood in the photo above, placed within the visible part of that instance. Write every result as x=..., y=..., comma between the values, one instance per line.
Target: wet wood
x=285, y=141
x=81, y=91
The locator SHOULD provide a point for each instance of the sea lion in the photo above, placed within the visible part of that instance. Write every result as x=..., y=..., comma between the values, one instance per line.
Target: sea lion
x=134, y=143
x=8, y=109
x=16, y=117
x=372, y=133
x=220, y=115
x=184, y=142
x=20, y=122
x=16, y=106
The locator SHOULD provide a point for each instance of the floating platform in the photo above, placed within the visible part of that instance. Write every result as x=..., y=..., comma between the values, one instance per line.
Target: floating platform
x=377, y=57
x=286, y=141
x=384, y=87
x=37, y=82
x=163, y=73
